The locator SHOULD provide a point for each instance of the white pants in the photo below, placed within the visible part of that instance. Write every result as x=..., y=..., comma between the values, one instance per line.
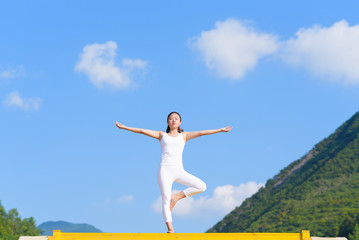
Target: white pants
x=169, y=174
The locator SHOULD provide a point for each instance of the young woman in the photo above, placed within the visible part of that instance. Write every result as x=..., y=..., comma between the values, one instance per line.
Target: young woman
x=171, y=168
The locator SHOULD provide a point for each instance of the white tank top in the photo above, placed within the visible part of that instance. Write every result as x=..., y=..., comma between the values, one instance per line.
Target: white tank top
x=171, y=150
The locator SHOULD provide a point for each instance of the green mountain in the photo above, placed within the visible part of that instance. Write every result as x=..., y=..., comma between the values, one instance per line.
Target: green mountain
x=317, y=192
x=47, y=227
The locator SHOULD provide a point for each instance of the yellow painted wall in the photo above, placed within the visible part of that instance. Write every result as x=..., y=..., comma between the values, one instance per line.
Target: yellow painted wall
x=58, y=235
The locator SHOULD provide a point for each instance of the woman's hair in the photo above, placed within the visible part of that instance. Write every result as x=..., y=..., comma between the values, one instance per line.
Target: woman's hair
x=168, y=127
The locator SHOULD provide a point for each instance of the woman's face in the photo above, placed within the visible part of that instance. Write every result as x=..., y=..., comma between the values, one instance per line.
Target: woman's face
x=174, y=121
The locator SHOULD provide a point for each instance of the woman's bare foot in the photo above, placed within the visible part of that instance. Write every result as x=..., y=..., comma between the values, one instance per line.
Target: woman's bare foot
x=175, y=198
x=173, y=201
x=170, y=227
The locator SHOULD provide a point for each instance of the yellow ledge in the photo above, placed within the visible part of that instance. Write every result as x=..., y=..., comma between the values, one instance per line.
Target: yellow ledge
x=58, y=235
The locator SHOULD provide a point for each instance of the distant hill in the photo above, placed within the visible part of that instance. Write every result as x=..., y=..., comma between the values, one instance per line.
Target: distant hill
x=47, y=227
x=316, y=192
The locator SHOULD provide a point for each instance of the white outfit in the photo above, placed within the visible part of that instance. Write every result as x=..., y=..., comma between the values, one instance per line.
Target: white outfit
x=171, y=170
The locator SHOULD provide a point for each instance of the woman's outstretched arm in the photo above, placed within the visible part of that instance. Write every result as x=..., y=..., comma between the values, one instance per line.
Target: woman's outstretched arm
x=150, y=133
x=191, y=135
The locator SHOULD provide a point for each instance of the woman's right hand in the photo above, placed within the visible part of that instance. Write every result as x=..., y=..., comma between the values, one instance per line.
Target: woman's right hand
x=119, y=125
x=226, y=129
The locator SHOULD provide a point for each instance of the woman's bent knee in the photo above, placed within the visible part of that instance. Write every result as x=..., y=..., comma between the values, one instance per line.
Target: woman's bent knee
x=203, y=187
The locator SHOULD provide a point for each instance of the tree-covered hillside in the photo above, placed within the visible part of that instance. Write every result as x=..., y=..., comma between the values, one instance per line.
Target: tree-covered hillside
x=316, y=192
x=49, y=226
x=12, y=226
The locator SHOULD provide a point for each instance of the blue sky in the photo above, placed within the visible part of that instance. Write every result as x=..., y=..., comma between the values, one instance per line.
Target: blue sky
x=283, y=74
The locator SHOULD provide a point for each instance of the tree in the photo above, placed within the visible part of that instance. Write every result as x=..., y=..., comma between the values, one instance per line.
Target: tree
x=355, y=234
x=12, y=226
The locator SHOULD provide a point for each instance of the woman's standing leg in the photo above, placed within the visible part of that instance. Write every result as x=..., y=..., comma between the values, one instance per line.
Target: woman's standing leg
x=165, y=181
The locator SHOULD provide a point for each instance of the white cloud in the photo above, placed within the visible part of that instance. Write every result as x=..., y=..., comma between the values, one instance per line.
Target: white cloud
x=110, y=201
x=125, y=199
x=97, y=61
x=331, y=52
x=18, y=71
x=232, y=48
x=133, y=64
x=15, y=100
x=224, y=199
